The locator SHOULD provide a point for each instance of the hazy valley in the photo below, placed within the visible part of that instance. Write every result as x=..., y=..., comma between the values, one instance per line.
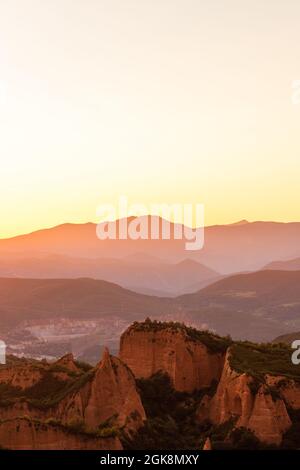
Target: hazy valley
x=192, y=377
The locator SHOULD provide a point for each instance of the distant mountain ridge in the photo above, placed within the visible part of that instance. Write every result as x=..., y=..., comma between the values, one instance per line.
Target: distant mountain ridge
x=228, y=248
x=140, y=273
x=288, y=265
x=288, y=338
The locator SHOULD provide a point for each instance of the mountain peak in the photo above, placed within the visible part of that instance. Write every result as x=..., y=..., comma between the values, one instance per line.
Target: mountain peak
x=241, y=222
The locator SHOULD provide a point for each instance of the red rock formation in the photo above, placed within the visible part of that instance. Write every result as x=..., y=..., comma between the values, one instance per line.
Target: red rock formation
x=269, y=419
x=105, y=396
x=68, y=362
x=259, y=412
x=26, y=434
x=190, y=364
x=207, y=445
x=20, y=375
x=111, y=394
x=288, y=388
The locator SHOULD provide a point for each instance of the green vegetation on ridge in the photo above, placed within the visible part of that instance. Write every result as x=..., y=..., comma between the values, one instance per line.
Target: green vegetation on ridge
x=254, y=359
x=214, y=343
x=45, y=393
x=258, y=360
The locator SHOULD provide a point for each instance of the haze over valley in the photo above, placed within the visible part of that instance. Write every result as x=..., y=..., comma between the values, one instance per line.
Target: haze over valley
x=66, y=280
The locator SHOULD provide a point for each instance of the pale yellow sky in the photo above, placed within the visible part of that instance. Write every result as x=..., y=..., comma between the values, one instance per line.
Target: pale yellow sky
x=162, y=101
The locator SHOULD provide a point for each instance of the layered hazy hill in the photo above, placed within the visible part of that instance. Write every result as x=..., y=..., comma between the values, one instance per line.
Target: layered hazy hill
x=139, y=272
x=289, y=265
x=288, y=338
x=250, y=290
x=27, y=299
x=228, y=248
x=70, y=273
x=257, y=306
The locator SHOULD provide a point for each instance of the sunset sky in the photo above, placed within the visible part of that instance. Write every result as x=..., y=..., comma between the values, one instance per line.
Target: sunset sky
x=159, y=100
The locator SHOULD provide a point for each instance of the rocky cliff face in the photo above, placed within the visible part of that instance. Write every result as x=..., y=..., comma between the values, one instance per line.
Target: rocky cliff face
x=245, y=395
x=242, y=388
x=20, y=375
x=26, y=434
x=289, y=390
x=256, y=410
x=190, y=364
x=207, y=444
x=110, y=395
x=83, y=407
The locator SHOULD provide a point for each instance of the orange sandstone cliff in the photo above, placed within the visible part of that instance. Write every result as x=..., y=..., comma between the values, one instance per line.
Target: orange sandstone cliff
x=190, y=363
x=241, y=387
x=64, y=406
x=246, y=395
x=27, y=434
x=234, y=399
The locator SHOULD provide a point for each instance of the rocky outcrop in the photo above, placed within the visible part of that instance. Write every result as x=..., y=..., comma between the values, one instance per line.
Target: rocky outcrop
x=22, y=375
x=236, y=400
x=68, y=362
x=27, y=434
x=190, y=364
x=101, y=400
x=269, y=419
x=207, y=444
x=288, y=389
x=196, y=360
x=69, y=405
x=110, y=395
